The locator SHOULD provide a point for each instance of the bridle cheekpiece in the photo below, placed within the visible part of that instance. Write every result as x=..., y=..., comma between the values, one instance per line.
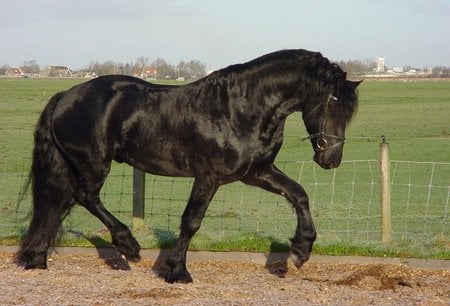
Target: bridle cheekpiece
x=322, y=138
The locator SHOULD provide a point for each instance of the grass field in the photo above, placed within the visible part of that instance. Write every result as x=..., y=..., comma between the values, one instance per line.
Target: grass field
x=413, y=116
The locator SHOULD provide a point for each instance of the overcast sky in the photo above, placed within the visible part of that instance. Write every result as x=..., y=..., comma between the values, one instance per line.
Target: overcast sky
x=222, y=32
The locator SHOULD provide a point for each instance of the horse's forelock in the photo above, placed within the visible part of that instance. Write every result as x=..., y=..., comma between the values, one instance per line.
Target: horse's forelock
x=331, y=80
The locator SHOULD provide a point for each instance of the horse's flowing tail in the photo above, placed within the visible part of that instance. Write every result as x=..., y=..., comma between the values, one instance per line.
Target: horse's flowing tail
x=52, y=188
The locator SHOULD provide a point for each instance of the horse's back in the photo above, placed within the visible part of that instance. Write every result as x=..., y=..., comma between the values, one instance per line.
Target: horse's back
x=88, y=119
x=125, y=119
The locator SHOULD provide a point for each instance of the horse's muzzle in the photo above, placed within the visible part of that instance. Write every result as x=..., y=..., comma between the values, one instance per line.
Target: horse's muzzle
x=328, y=161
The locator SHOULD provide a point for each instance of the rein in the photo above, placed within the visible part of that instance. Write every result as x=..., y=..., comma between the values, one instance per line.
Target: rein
x=322, y=137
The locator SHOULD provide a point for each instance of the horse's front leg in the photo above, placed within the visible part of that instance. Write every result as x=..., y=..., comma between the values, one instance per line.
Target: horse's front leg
x=272, y=179
x=201, y=195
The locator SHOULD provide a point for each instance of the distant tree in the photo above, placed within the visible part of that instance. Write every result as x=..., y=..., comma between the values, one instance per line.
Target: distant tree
x=108, y=67
x=94, y=67
x=126, y=68
x=141, y=63
x=357, y=67
x=4, y=69
x=440, y=72
x=182, y=69
x=408, y=68
x=164, y=70
x=197, y=69
x=31, y=67
x=191, y=70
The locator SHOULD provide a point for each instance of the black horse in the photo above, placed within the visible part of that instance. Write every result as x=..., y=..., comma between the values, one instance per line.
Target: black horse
x=223, y=128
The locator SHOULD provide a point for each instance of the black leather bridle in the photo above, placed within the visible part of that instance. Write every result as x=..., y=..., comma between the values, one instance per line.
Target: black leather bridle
x=322, y=138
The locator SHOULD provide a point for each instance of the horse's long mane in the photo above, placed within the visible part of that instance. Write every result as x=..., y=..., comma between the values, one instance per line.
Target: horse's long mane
x=298, y=57
x=316, y=73
x=312, y=66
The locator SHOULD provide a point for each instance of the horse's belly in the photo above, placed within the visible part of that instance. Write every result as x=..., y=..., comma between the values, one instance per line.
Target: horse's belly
x=193, y=166
x=160, y=166
x=166, y=168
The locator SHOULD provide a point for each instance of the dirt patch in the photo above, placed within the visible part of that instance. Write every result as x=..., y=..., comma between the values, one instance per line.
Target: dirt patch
x=91, y=280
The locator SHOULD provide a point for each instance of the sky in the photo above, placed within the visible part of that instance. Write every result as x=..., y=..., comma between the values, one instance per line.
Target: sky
x=220, y=33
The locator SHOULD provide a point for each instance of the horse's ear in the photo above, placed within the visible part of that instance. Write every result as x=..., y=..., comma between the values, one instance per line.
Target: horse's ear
x=340, y=78
x=356, y=83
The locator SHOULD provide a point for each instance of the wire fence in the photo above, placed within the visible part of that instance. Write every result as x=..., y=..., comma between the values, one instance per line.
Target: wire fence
x=345, y=203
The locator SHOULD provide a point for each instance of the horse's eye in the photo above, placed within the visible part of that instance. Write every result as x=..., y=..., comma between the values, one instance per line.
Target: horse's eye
x=321, y=144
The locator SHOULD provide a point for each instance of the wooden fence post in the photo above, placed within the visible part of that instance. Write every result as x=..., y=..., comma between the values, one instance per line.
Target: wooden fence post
x=138, y=198
x=385, y=189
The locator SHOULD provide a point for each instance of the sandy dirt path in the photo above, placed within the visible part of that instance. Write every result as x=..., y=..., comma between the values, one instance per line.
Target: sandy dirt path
x=106, y=279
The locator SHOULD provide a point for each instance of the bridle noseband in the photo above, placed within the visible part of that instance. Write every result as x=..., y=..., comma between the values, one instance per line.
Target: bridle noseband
x=322, y=137
x=322, y=142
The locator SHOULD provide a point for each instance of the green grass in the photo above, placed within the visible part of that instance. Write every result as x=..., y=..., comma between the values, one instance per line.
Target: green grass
x=412, y=116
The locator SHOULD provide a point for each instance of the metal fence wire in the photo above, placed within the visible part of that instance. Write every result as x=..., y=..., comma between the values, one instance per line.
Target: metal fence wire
x=345, y=203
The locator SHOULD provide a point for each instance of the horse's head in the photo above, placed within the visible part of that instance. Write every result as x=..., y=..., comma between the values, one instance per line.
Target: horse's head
x=327, y=120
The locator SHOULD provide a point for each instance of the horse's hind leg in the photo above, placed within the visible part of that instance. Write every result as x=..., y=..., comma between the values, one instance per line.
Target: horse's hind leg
x=88, y=196
x=121, y=235
x=52, y=200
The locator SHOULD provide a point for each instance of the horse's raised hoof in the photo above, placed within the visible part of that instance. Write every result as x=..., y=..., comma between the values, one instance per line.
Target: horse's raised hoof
x=298, y=257
x=133, y=258
x=298, y=263
x=129, y=247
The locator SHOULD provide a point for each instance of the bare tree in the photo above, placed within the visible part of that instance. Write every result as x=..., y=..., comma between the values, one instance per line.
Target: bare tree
x=191, y=70
x=31, y=67
x=197, y=69
x=357, y=67
x=4, y=69
x=141, y=63
x=124, y=68
x=163, y=69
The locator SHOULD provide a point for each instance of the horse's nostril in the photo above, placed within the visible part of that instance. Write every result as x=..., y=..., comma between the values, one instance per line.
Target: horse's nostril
x=333, y=164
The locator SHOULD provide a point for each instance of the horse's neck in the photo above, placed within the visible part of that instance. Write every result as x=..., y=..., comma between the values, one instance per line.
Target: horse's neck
x=278, y=96
x=282, y=92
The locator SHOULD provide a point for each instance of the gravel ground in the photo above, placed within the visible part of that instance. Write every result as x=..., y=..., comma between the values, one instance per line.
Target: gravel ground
x=87, y=279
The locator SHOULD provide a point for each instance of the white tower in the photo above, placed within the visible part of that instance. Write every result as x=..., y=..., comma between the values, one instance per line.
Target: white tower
x=380, y=64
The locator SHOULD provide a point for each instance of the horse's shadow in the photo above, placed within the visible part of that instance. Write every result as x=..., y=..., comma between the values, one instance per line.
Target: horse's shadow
x=107, y=252
x=166, y=239
x=277, y=259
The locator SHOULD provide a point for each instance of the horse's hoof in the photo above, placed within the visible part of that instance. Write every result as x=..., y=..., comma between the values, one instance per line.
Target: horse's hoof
x=182, y=278
x=133, y=257
x=298, y=263
x=30, y=264
x=129, y=247
x=31, y=260
x=298, y=257
x=177, y=273
x=33, y=266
